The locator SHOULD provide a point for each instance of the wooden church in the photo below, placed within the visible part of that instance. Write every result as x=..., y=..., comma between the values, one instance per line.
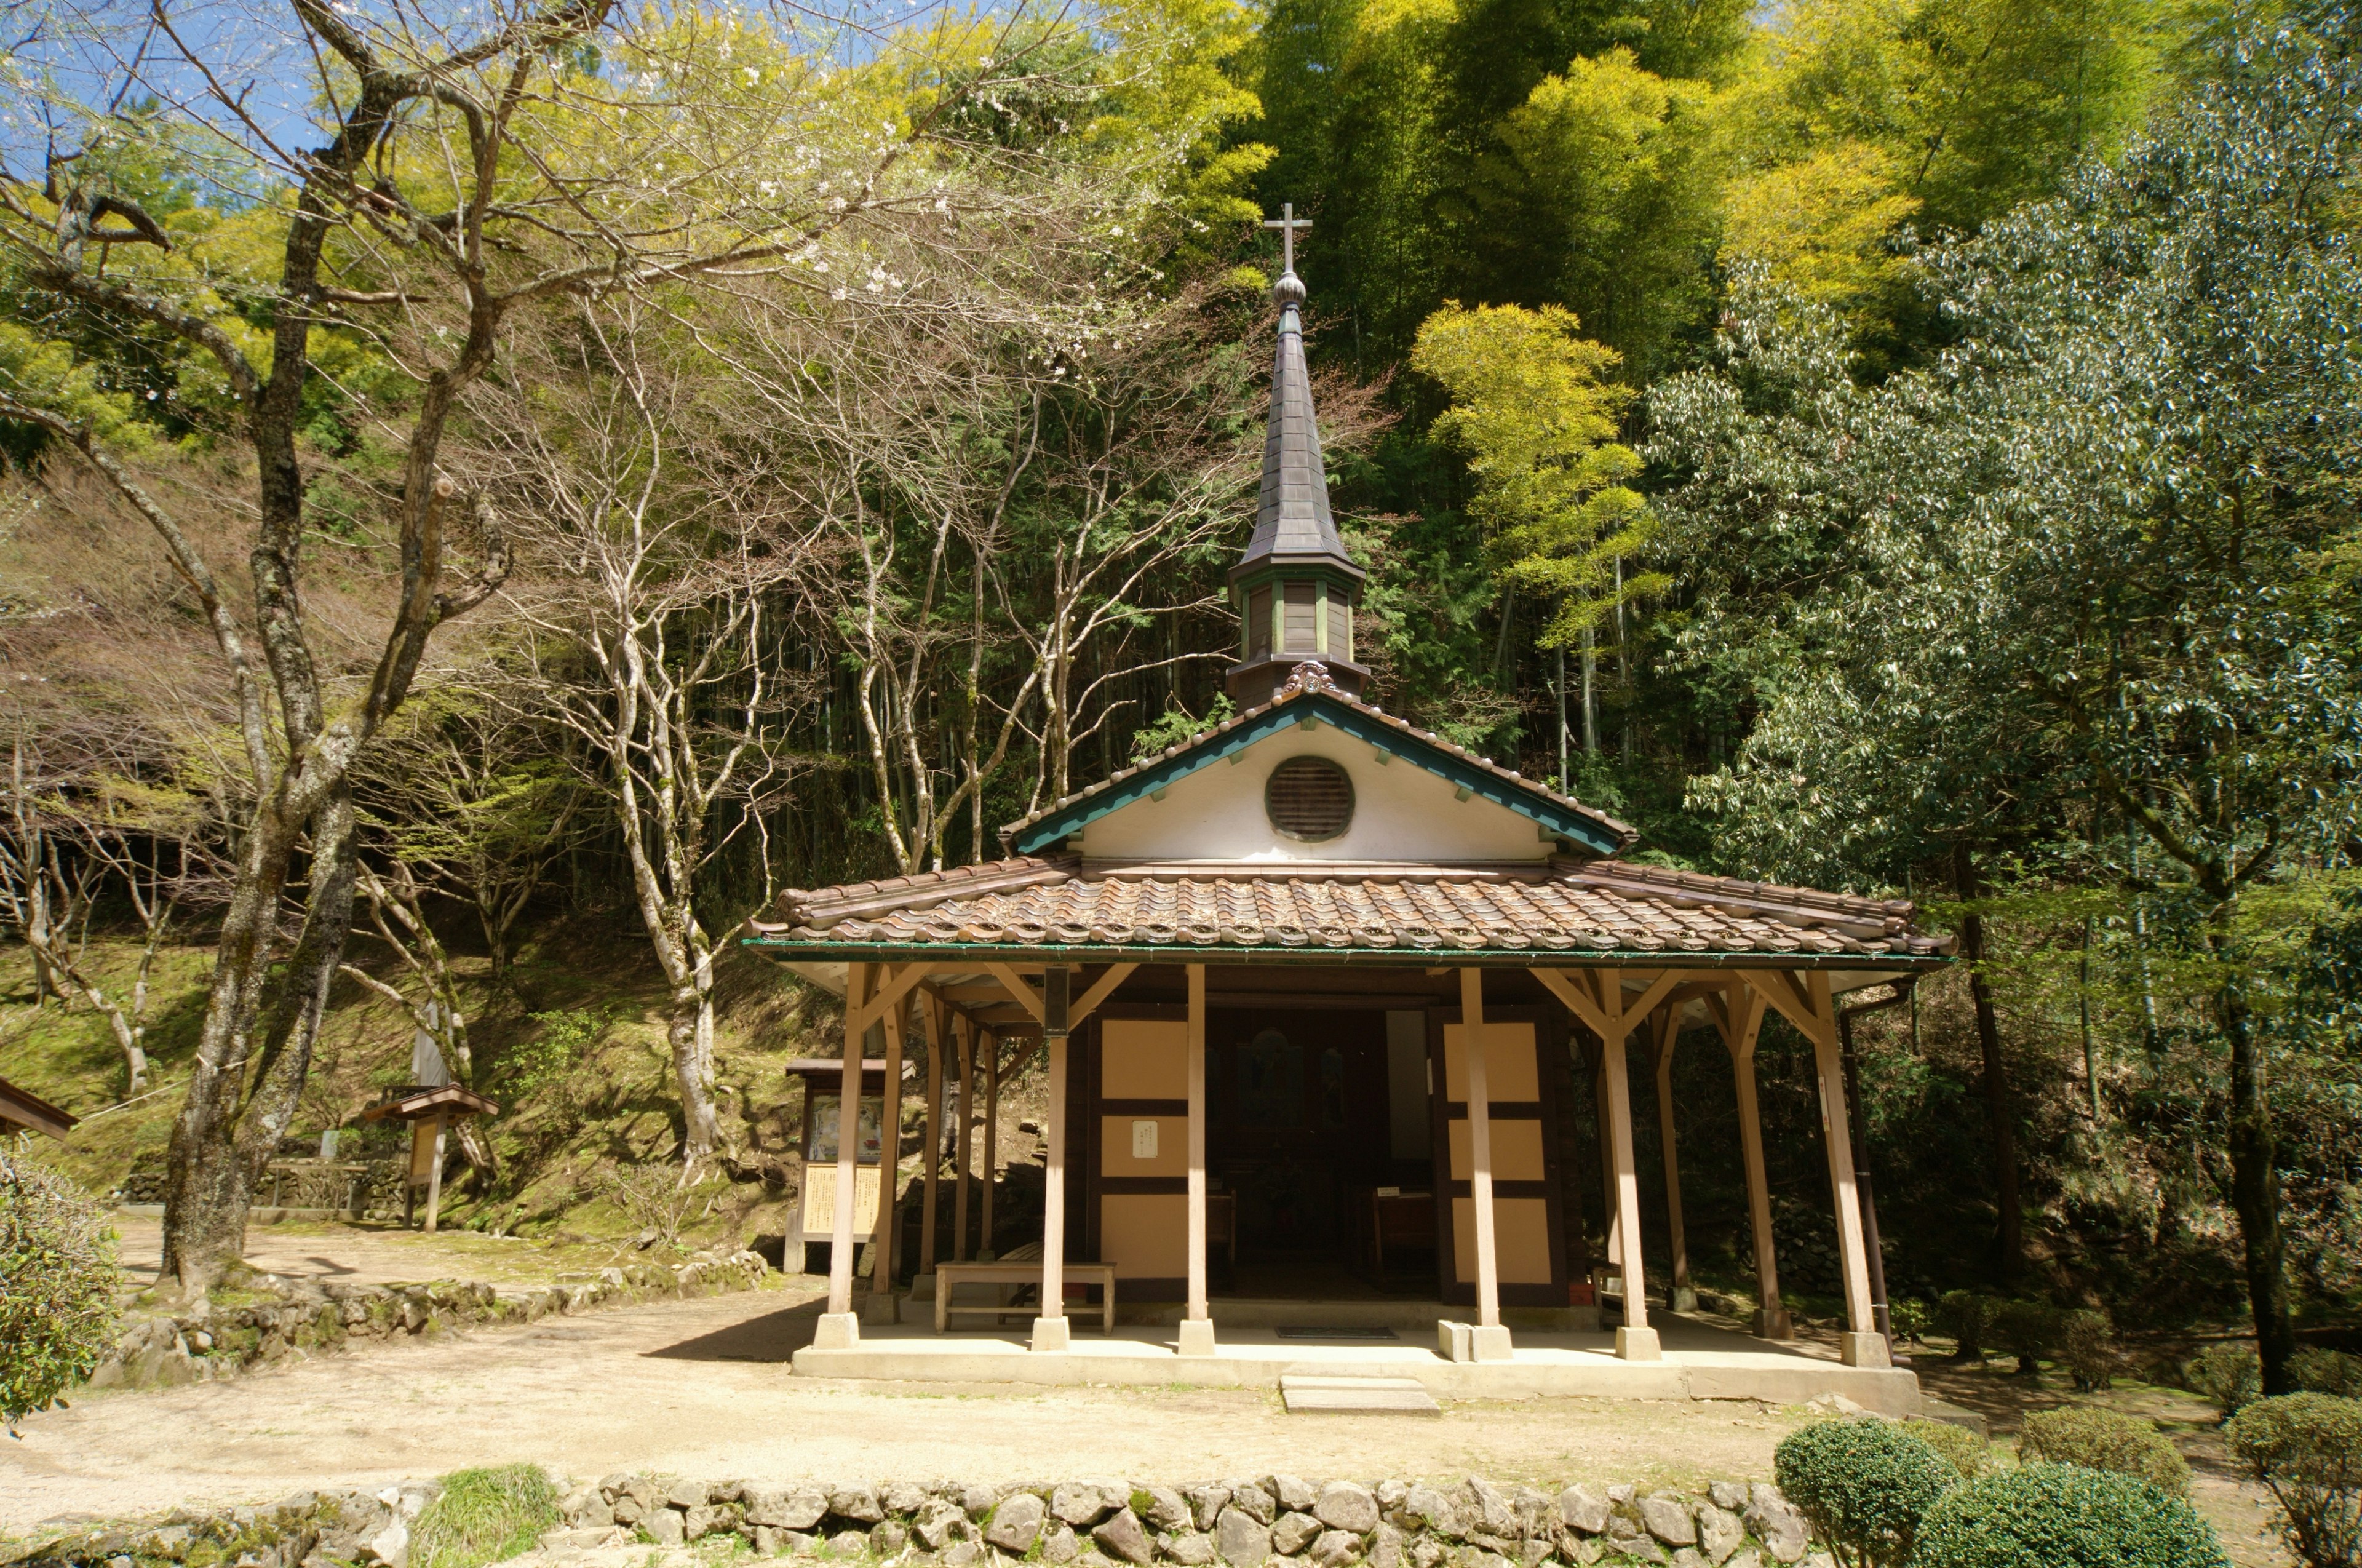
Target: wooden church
x=1322, y=994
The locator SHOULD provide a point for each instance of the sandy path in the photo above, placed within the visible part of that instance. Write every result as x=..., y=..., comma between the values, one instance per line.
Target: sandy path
x=701, y=1389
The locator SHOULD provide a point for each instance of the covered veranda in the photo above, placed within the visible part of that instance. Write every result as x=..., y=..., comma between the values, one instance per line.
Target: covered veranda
x=985, y=1010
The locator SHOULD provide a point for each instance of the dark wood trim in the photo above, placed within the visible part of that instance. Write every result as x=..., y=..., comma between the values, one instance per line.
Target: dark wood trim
x=1347, y=1001
x=1502, y=1188
x=1083, y=1141
x=1143, y=1185
x=1144, y=1108
x=1152, y=1287
x=1498, y=1110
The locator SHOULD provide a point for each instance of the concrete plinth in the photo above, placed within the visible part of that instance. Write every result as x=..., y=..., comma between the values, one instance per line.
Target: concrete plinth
x=1490, y=1344
x=1054, y=1336
x=1772, y=1323
x=1453, y=1341
x=1684, y=1299
x=1639, y=1344
x=1863, y=1349
x=882, y=1308
x=922, y=1288
x=836, y=1330
x=1196, y=1336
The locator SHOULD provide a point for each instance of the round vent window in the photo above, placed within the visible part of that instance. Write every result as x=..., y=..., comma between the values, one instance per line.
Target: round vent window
x=1310, y=799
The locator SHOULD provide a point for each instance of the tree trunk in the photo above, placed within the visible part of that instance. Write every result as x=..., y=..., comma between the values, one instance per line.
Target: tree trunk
x=2255, y=1183
x=1998, y=1113
x=690, y=1034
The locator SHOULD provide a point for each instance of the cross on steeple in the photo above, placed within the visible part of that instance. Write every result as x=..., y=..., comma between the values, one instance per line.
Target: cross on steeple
x=1287, y=223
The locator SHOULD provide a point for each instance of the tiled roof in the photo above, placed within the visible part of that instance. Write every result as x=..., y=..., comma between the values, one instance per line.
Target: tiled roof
x=1309, y=679
x=1595, y=906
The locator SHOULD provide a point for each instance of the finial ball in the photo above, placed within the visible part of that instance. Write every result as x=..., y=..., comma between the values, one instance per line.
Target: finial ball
x=1288, y=291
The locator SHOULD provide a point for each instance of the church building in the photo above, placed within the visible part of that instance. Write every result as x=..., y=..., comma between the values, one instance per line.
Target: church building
x=1332, y=1010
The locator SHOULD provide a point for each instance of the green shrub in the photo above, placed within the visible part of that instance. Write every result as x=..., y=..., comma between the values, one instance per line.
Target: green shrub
x=2307, y=1448
x=2317, y=1371
x=2227, y=1375
x=1960, y=1448
x=1908, y=1318
x=2029, y=1331
x=484, y=1516
x=2087, y=1343
x=1966, y=1316
x=58, y=1285
x=1863, y=1484
x=2063, y=1516
x=2103, y=1439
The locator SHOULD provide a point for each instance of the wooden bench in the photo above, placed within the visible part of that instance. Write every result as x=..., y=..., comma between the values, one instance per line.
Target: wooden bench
x=1014, y=1268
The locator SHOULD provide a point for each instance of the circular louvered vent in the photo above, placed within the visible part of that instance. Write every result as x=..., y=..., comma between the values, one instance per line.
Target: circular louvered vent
x=1310, y=799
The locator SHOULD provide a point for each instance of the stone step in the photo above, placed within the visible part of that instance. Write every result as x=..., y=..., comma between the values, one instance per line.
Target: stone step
x=1357, y=1395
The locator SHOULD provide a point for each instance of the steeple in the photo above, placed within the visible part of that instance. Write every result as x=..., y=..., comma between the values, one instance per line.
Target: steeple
x=1295, y=587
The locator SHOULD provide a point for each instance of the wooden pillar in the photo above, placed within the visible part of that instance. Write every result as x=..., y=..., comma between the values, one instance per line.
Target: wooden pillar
x=933, y=1014
x=962, y=1170
x=434, y=1174
x=848, y=1121
x=1837, y=1136
x=1614, y=1252
x=889, y=1167
x=1196, y=1336
x=992, y=1141
x=1668, y=1032
x=1480, y=1149
x=1739, y=1017
x=1051, y=1328
x=1627, y=1179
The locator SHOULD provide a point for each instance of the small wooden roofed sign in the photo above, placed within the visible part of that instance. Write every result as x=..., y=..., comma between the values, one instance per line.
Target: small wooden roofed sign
x=22, y=1108
x=430, y=1111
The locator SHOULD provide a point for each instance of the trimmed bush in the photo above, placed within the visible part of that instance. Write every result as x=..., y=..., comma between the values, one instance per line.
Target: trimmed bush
x=2102, y=1440
x=1966, y=1316
x=2029, y=1331
x=1960, y=1448
x=2317, y=1371
x=2226, y=1375
x=1863, y=1484
x=485, y=1516
x=2063, y=1516
x=1909, y=1320
x=58, y=1284
x=2307, y=1448
x=2087, y=1343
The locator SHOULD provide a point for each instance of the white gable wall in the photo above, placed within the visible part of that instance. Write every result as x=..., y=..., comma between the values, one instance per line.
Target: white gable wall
x=1401, y=812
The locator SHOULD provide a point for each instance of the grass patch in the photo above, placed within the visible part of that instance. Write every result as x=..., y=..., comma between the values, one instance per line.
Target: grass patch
x=485, y=1516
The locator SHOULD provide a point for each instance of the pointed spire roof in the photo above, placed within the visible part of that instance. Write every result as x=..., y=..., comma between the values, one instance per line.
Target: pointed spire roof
x=1292, y=520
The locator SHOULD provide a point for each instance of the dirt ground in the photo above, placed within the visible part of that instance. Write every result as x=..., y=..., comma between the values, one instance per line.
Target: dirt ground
x=377, y=1254
x=702, y=1389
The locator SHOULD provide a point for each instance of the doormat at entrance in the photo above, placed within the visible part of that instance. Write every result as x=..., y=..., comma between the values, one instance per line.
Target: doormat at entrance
x=1340, y=1331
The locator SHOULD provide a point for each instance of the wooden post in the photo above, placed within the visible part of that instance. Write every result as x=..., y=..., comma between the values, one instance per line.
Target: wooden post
x=1480, y=1148
x=983, y=1248
x=932, y=1011
x=435, y=1176
x=1197, y=1331
x=1614, y=1251
x=963, y=1170
x=848, y=1122
x=1837, y=1134
x=1627, y=1179
x=1738, y=1018
x=889, y=1167
x=1051, y=1330
x=1668, y=1031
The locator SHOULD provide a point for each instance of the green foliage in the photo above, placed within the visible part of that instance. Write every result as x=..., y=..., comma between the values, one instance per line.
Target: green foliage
x=58, y=1284
x=1864, y=1484
x=2087, y=1344
x=2228, y=1375
x=2318, y=1371
x=544, y=1060
x=2029, y=1331
x=1961, y=1448
x=1966, y=1316
x=1177, y=726
x=2103, y=1439
x=1531, y=408
x=1910, y=1317
x=484, y=1516
x=2307, y=1448
x=2063, y=1516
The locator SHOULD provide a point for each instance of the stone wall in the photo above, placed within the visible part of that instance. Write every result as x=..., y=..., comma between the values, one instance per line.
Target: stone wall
x=291, y=1316
x=1272, y=1521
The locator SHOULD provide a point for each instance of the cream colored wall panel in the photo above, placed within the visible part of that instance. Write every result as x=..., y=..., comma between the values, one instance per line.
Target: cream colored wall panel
x=1517, y=1150
x=1146, y=1235
x=1510, y=1072
x=1117, y=1140
x=1520, y=1240
x=1144, y=1058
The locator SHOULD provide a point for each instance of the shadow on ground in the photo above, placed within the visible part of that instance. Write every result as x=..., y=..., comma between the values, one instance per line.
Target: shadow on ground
x=773, y=1337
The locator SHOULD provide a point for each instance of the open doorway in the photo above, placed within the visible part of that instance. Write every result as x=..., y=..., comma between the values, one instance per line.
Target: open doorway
x=1319, y=1159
